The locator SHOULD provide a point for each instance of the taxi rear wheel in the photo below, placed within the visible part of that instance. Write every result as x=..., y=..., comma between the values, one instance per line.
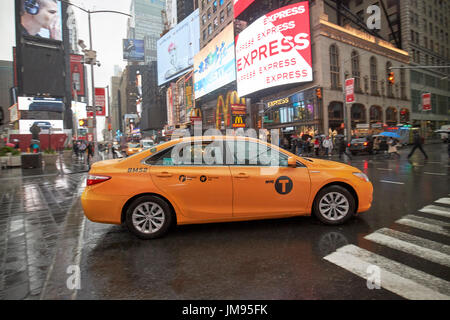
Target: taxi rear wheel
x=334, y=205
x=148, y=217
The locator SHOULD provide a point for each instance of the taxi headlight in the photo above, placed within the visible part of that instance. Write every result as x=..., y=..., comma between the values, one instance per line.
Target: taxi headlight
x=362, y=176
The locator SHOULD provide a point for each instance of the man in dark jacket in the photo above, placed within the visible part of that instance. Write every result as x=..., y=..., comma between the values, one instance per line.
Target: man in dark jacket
x=417, y=140
x=342, y=146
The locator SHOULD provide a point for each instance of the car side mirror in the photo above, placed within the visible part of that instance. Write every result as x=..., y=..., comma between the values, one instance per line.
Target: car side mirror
x=292, y=162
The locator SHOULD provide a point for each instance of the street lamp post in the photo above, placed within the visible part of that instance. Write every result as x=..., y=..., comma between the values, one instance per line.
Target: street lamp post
x=93, y=61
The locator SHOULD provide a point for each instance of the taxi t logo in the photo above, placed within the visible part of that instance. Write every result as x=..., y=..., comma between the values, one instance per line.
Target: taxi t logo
x=283, y=185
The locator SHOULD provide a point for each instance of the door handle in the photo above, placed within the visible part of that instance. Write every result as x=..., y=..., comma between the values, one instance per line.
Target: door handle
x=164, y=175
x=242, y=175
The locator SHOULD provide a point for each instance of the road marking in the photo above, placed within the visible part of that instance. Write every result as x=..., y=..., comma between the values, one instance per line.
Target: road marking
x=437, y=210
x=395, y=277
x=435, y=173
x=443, y=200
x=407, y=221
x=416, y=246
x=393, y=182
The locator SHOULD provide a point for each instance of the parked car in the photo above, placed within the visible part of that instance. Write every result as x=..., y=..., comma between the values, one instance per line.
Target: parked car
x=359, y=145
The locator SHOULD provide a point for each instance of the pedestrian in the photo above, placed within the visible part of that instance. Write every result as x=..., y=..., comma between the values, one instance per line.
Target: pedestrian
x=342, y=148
x=299, y=147
x=392, y=148
x=90, y=152
x=417, y=141
x=376, y=145
x=328, y=146
x=75, y=148
x=316, y=146
x=82, y=149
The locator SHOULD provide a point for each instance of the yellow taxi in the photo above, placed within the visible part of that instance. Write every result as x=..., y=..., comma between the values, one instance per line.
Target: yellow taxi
x=218, y=179
x=133, y=148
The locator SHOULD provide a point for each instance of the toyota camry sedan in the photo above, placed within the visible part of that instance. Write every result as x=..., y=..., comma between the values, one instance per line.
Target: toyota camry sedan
x=217, y=179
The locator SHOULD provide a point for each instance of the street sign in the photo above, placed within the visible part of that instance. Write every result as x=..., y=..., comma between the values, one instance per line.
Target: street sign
x=426, y=101
x=90, y=137
x=349, y=90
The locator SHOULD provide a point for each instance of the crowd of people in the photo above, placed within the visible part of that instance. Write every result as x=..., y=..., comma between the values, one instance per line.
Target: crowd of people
x=321, y=145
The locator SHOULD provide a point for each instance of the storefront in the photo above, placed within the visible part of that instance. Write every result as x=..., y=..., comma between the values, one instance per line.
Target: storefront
x=295, y=114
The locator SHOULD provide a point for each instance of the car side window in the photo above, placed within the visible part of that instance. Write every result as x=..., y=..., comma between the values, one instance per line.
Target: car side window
x=163, y=158
x=248, y=153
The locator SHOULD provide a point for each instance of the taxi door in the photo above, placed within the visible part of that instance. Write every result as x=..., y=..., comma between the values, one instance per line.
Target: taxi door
x=202, y=191
x=263, y=188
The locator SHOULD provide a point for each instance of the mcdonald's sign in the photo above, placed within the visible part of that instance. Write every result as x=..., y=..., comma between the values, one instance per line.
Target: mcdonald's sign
x=232, y=103
x=238, y=121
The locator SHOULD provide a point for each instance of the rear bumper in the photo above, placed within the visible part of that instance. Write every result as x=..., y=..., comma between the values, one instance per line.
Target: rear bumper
x=102, y=208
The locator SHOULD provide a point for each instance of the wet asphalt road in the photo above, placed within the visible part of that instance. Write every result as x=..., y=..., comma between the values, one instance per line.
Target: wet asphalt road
x=270, y=259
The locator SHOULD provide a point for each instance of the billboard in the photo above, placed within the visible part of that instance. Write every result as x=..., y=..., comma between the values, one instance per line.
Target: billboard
x=133, y=50
x=214, y=65
x=40, y=19
x=44, y=125
x=40, y=104
x=241, y=5
x=177, y=48
x=275, y=50
x=77, y=75
x=100, y=100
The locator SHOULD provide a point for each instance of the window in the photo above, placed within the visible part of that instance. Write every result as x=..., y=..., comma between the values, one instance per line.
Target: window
x=209, y=13
x=249, y=153
x=215, y=6
x=163, y=158
x=204, y=19
x=209, y=29
x=334, y=66
x=189, y=154
x=425, y=42
x=222, y=16
x=216, y=22
x=228, y=9
x=355, y=71
x=373, y=76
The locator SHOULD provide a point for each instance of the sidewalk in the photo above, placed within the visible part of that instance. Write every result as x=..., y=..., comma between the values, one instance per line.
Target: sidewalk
x=34, y=204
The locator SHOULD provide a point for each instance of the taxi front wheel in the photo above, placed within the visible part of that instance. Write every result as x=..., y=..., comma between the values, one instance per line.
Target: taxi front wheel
x=334, y=205
x=148, y=217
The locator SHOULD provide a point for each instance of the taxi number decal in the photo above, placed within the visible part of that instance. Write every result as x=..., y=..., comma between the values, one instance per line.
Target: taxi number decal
x=137, y=170
x=283, y=185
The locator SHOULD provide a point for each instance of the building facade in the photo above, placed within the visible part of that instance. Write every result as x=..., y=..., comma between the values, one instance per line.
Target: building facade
x=215, y=15
x=420, y=27
x=6, y=83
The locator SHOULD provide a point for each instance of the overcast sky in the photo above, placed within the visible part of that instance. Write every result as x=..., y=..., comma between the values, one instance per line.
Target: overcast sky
x=108, y=30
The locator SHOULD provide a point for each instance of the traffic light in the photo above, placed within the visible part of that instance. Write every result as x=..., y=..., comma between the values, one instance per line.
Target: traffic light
x=391, y=77
x=319, y=93
x=82, y=122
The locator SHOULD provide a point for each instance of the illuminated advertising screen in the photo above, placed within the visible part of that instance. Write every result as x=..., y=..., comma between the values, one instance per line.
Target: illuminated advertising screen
x=77, y=74
x=241, y=5
x=40, y=19
x=133, y=50
x=274, y=50
x=45, y=125
x=177, y=48
x=40, y=104
x=214, y=65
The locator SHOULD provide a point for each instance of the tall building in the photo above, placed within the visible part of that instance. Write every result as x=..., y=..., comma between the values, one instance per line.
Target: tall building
x=186, y=7
x=214, y=17
x=420, y=27
x=6, y=82
x=146, y=24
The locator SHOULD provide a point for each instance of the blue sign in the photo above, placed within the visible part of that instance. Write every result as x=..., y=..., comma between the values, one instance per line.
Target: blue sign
x=133, y=50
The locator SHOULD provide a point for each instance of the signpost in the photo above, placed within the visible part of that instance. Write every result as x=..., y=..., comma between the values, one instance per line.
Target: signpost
x=350, y=90
x=426, y=101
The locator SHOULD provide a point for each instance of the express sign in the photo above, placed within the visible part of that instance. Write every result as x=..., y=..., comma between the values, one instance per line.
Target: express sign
x=274, y=50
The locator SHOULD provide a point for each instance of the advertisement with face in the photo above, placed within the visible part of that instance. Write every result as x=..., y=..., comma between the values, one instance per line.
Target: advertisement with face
x=40, y=18
x=241, y=5
x=214, y=66
x=133, y=50
x=275, y=50
x=177, y=48
x=40, y=104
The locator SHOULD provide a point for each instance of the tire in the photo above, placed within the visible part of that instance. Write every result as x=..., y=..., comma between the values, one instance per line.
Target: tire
x=156, y=225
x=336, y=198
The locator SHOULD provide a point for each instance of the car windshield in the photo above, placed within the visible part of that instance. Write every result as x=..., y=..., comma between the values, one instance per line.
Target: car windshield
x=147, y=144
x=133, y=145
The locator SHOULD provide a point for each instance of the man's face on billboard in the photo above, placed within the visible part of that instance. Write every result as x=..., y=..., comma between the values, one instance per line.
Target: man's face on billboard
x=47, y=14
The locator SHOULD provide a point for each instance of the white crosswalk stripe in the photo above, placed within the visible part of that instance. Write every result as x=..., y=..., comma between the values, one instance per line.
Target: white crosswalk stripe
x=396, y=277
x=420, y=247
x=437, y=210
x=443, y=200
x=424, y=224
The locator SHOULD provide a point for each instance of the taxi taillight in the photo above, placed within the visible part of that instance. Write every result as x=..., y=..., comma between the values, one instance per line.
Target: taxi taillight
x=349, y=144
x=366, y=143
x=94, y=179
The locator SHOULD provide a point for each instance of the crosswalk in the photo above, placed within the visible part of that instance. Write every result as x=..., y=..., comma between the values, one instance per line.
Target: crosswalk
x=394, y=276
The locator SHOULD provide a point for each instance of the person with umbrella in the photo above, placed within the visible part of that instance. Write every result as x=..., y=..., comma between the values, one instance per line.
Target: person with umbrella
x=392, y=148
x=417, y=140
